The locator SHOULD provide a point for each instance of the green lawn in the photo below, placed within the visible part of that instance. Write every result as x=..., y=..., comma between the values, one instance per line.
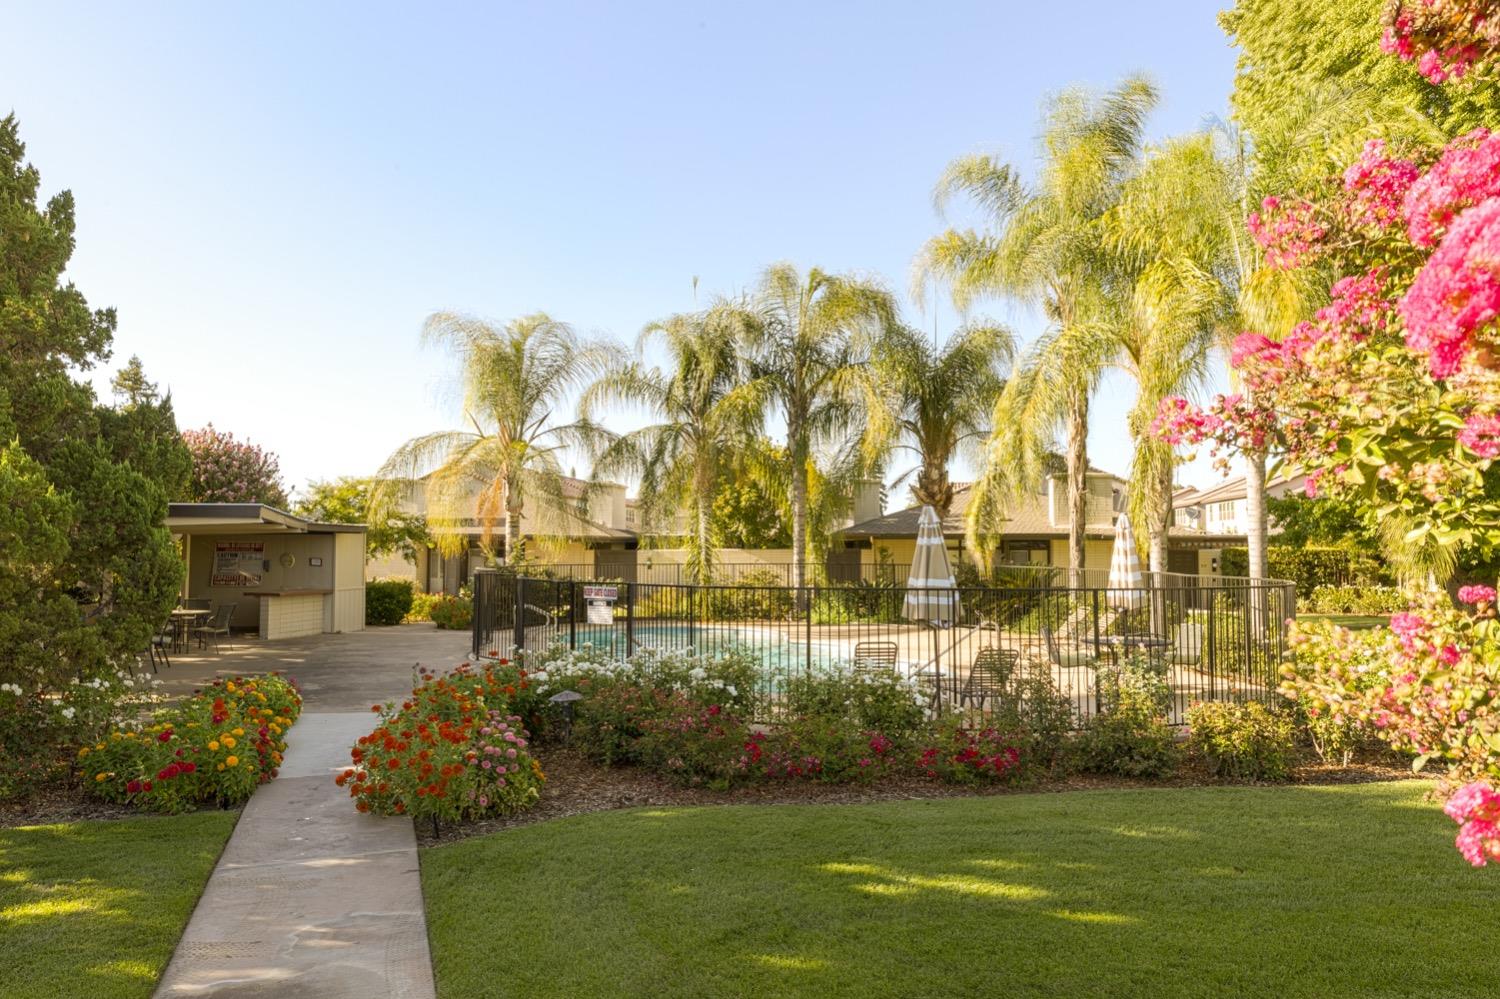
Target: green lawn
x=1308, y=891
x=1354, y=622
x=94, y=909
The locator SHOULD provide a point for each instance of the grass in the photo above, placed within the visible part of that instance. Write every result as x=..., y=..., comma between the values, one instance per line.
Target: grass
x=1292, y=891
x=95, y=908
x=1354, y=622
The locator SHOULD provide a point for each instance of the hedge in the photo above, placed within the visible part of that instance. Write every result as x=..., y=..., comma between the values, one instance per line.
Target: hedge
x=1309, y=568
x=387, y=601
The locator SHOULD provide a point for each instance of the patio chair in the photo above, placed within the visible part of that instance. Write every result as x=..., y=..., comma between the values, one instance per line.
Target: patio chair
x=156, y=648
x=217, y=624
x=1072, y=659
x=874, y=657
x=990, y=676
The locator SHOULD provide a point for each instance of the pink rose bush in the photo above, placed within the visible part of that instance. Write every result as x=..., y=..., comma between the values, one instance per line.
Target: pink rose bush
x=1476, y=809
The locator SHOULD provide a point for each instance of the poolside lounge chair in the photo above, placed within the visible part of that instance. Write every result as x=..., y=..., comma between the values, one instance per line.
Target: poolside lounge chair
x=871, y=657
x=990, y=676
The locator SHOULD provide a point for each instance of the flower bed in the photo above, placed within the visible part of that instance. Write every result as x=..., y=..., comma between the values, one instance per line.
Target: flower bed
x=214, y=748
x=450, y=752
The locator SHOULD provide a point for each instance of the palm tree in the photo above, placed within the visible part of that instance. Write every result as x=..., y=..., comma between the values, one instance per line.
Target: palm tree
x=809, y=343
x=939, y=400
x=1173, y=248
x=513, y=378
x=682, y=459
x=1046, y=249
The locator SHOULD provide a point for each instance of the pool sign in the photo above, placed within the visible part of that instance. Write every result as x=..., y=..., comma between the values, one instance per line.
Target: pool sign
x=601, y=603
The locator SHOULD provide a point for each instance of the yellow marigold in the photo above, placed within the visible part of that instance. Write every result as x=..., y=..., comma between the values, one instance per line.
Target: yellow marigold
x=276, y=756
x=231, y=761
x=261, y=696
x=219, y=767
x=99, y=777
x=228, y=741
x=115, y=736
x=239, y=731
x=99, y=746
x=229, y=686
x=213, y=747
x=83, y=752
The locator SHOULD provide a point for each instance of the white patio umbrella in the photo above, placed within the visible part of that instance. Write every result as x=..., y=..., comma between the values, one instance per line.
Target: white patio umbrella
x=1127, y=582
x=930, y=593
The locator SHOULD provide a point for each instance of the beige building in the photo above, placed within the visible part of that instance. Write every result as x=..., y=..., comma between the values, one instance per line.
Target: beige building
x=1223, y=509
x=283, y=576
x=606, y=536
x=1036, y=532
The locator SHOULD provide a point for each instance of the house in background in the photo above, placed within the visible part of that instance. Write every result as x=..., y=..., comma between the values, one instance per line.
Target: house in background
x=605, y=537
x=1036, y=532
x=1223, y=509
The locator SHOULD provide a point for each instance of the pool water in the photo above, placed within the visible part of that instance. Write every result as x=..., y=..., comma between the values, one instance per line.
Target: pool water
x=772, y=647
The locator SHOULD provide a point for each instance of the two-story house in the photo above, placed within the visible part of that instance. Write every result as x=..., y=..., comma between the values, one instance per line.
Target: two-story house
x=1223, y=509
x=1036, y=530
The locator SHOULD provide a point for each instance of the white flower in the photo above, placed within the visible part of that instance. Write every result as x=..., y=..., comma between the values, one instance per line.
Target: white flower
x=732, y=691
x=68, y=713
x=697, y=673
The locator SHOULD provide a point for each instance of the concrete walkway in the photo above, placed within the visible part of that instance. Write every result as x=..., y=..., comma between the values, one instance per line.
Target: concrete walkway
x=312, y=900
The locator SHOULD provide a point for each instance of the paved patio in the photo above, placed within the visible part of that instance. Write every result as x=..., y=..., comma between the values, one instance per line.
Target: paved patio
x=336, y=672
x=312, y=900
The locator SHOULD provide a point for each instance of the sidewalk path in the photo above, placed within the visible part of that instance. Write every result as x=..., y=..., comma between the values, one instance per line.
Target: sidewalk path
x=311, y=900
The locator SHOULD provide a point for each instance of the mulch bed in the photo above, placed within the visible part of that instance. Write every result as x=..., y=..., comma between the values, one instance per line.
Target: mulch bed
x=575, y=786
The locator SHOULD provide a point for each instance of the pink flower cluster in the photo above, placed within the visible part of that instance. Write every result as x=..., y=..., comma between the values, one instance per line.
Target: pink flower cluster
x=226, y=470
x=1467, y=173
x=1476, y=809
x=1178, y=421
x=1288, y=232
x=1481, y=436
x=1457, y=292
x=1445, y=38
x=1376, y=185
x=1476, y=593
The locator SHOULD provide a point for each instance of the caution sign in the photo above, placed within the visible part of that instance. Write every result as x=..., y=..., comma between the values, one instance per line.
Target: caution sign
x=600, y=601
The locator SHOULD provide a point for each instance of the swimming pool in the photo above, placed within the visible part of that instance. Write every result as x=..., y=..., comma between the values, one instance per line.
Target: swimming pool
x=775, y=650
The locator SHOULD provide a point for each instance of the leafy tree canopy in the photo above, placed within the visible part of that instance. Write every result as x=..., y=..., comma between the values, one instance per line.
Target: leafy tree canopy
x=89, y=569
x=347, y=500
x=226, y=470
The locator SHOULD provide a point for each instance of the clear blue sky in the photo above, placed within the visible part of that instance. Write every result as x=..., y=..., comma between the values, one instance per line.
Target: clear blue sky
x=275, y=195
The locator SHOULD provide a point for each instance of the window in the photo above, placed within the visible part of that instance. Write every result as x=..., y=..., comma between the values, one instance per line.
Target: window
x=1026, y=552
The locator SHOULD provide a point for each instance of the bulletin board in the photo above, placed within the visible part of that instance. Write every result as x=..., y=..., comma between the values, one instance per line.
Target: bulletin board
x=238, y=563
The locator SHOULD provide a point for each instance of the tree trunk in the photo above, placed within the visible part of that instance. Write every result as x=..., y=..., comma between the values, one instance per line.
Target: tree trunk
x=702, y=534
x=1161, y=519
x=799, y=519
x=513, y=505
x=1078, y=491
x=1255, y=513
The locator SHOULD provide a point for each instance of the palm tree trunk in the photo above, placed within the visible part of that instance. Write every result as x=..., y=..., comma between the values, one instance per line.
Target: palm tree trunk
x=1255, y=513
x=799, y=519
x=1161, y=519
x=512, y=523
x=703, y=556
x=1078, y=465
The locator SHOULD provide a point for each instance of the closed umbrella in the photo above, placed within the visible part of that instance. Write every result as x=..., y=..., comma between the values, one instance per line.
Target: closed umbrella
x=1127, y=581
x=930, y=593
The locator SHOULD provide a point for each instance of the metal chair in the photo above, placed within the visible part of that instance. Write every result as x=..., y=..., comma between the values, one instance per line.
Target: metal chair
x=990, y=676
x=217, y=624
x=160, y=643
x=870, y=657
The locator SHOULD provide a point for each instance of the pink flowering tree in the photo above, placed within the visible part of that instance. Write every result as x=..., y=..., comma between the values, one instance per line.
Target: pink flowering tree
x=1446, y=39
x=226, y=470
x=1390, y=396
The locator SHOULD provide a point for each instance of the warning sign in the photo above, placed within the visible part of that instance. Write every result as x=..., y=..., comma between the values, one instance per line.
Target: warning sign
x=601, y=603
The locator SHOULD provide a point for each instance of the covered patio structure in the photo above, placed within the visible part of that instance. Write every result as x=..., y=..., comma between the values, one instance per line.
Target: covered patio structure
x=282, y=575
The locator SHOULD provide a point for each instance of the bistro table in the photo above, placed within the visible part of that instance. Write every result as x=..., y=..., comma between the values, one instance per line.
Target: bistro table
x=183, y=619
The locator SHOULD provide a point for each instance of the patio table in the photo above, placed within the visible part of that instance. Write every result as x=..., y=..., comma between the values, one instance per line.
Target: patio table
x=183, y=619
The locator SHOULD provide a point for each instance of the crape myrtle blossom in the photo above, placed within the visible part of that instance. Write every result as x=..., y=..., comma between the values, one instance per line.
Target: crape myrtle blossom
x=1456, y=295
x=1376, y=185
x=1446, y=39
x=1476, y=809
x=1467, y=172
x=1288, y=229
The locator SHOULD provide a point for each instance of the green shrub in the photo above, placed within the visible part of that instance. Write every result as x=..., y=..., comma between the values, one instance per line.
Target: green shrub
x=863, y=701
x=1329, y=676
x=452, y=613
x=387, y=601
x=969, y=752
x=1309, y=567
x=1243, y=741
x=421, y=606
x=1130, y=736
x=1039, y=718
x=1356, y=600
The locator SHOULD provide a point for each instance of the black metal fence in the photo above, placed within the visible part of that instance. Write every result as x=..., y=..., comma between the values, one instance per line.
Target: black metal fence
x=1209, y=637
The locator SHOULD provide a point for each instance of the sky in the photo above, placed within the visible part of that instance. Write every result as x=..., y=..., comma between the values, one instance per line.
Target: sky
x=275, y=195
